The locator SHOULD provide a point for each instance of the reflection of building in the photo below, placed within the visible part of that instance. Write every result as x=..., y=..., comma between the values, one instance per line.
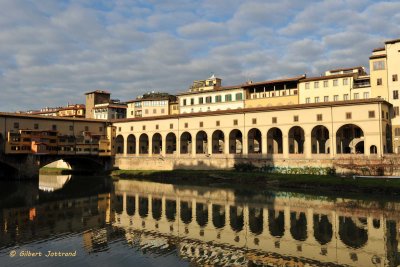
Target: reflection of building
x=50, y=183
x=263, y=229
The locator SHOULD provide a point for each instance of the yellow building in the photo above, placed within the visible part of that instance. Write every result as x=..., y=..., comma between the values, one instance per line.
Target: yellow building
x=152, y=104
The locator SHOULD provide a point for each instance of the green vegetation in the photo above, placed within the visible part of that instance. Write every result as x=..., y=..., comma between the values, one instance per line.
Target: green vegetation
x=264, y=180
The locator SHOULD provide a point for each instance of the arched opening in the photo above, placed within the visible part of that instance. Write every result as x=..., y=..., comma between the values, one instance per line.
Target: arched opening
x=274, y=141
x=201, y=214
x=186, y=143
x=322, y=229
x=235, y=142
x=320, y=140
x=170, y=210
x=352, y=233
x=130, y=205
x=143, y=206
x=170, y=143
x=156, y=208
x=256, y=220
x=276, y=223
x=218, y=142
x=254, y=141
x=143, y=144
x=156, y=143
x=373, y=149
x=350, y=140
x=296, y=140
x=389, y=144
x=236, y=218
x=218, y=216
x=119, y=145
x=298, y=225
x=186, y=212
x=201, y=143
x=118, y=204
x=131, y=142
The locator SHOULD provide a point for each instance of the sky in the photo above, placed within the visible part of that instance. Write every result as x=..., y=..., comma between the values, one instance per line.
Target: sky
x=52, y=52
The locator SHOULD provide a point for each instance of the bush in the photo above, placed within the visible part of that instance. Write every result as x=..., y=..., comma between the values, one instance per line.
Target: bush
x=244, y=167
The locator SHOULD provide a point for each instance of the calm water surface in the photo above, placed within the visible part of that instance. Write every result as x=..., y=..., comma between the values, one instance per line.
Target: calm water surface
x=97, y=222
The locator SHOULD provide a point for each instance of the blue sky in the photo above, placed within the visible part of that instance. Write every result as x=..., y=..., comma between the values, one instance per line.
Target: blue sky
x=52, y=52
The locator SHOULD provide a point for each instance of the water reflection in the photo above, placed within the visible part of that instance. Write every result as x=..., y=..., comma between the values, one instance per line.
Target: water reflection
x=145, y=223
x=50, y=183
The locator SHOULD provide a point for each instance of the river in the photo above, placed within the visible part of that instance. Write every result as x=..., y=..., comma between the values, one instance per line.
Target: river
x=64, y=220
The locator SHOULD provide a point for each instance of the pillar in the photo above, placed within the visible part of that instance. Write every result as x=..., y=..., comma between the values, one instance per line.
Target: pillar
x=163, y=146
x=307, y=145
x=264, y=144
x=125, y=147
x=227, y=216
x=136, y=205
x=124, y=203
x=150, y=205
x=310, y=223
x=226, y=144
x=178, y=145
x=245, y=146
x=285, y=145
x=150, y=146
x=137, y=145
x=209, y=144
x=333, y=145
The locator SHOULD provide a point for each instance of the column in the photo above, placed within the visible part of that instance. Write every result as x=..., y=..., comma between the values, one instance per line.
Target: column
x=163, y=208
x=150, y=205
x=226, y=144
x=210, y=213
x=209, y=145
x=193, y=145
x=286, y=213
x=285, y=146
x=227, y=216
x=136, y=205
x=310, y=223
x=245, y=145
x=137, y=147
x=333, y=145
x=178, y=145
x=125, y=146
x=307, y=145
x=264, y=143
x=150, y=146
x=193, y=210
x=163, y=146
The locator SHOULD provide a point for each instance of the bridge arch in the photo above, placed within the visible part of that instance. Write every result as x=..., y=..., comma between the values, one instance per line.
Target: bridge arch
x=218, y=142
x=201, y=142
x=274, y=141
x=350, y=139
x=77, y=163
x=119, y=144
x=186, y=143
x=131, y=144
x=156, y=142
x=144, y=144
x=170, y=142
x=296, y=140
x=254, y=137
x=235, y=142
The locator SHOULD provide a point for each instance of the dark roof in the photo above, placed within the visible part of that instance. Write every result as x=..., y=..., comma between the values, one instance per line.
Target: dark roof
x=39, y=117
x=257, y=109
x=377, y=56
x=392, y=41
x=329, y=77
x=99, y=92
x=292, y=79
x=148, y=99
x=378, y=49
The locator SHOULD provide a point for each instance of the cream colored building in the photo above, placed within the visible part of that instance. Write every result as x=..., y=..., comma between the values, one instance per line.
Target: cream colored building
x=385, y=72
x=152, y=104
x=209, y=95
x=335, y=85
x=109, y=111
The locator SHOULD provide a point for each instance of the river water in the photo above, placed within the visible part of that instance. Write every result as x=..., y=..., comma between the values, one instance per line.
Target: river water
x=94, y=221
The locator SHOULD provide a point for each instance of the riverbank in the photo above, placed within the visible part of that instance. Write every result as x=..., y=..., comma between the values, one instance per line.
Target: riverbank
x=259, y=180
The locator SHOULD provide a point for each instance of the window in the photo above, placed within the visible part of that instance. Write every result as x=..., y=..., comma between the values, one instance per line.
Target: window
x=326, y=98
x=144, y=127
x=307, y=85
x=356, y=96
x=379, y=81
x=239, y=96
x=16, y=125
x=319, y=117
x=254, y=121
x=325, y=83
x=171, y=126
x=208, y=99
x=119, y=129
x=371, y=114
x=147, y=111
x=36, y=126
x=387, y=115
x=192, y=101
x=218, y=98
x=162, y=111
x=217, y=123
x=366, y=95
x=395, y=94
x=348, y=115
x=316, y=99
x=184, y=102
x=397, y=131
x=345, y=81
x=100, y=129
x=379, y=65
x=154, y=111
x=54, y=127
x=336, y=98
x=201, y=124
x=201, y=100
x=335, y=82
x=295, y=92
x=235, y=122
x=396, y=111
x=131, y=128
x=346, y=97
x=316, y=85
x=71, y=127
x=274, y=120
x=157, y=126
x=307, y=100
x=228, y=98
x=394, y=78
x=295, y=118
x=186, y=125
